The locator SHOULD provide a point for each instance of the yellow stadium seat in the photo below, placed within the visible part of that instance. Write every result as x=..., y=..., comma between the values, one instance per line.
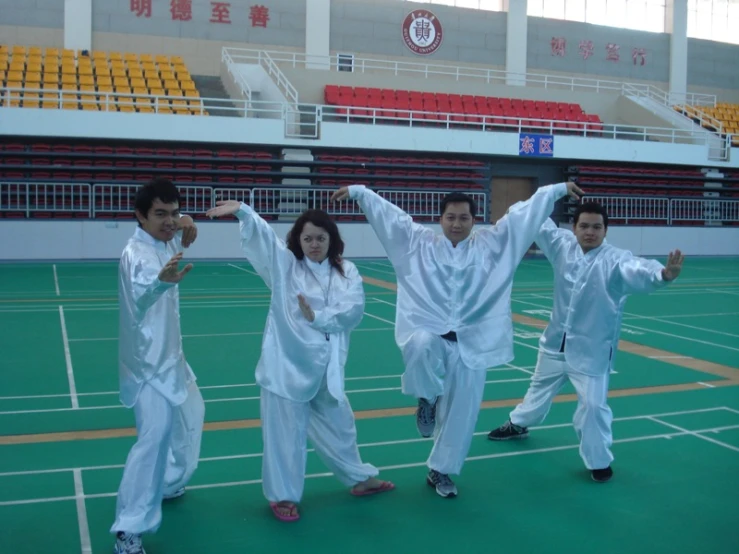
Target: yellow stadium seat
x=87, y=88
x=156, y=91
x=119, y=82
x=146, y=58
x=19, y=50
x=167, y=76
x=154, y=83
x=104, y=82
x=115, y=56
x=130, y=57
x=35, y=51
x=68, y=79
x=17, y=67
x=119, y=73
x=87, y=80
x=135, y=74
x=15, y=75
x=33, y=78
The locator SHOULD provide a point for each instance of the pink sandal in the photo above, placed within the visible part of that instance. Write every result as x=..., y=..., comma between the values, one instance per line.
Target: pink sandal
x=384, y=487
x=282, y=517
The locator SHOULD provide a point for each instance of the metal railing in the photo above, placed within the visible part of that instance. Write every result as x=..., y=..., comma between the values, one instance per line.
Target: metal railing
x=460, y=72
x=84, y=198
x=111, y=102
x=669, y=210
x=30, y=198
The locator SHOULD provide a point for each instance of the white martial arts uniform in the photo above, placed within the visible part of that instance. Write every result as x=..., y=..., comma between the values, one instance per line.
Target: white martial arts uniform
x=590, y=291
x=464, y=289
x=157, y=382
x=301, y=368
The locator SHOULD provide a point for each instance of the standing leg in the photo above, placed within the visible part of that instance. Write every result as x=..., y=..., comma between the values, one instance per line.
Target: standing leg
x=333, y=432
x=423, y=355
x=457, y=416
x=139, y=503
x=187, y=431
x=549, y=377
x=284, y=432
x=592, y=421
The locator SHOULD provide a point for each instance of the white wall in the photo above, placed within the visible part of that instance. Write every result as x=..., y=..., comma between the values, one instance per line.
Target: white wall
x=88, y=240
x=121, y=126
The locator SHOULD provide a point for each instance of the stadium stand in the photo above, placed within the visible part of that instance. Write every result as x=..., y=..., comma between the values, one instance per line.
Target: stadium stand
x=395, y=105
x=51, y=78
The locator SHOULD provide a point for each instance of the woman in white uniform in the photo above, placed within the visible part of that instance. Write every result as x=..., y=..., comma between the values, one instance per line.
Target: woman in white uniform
x=317, y=300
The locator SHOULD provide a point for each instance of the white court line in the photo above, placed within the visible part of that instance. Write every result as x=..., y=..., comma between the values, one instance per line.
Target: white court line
x=400, y=466
x=56, y=281
x=539, y=305
x=696, y=434
x=238, y=385
x=379, y=318
x=707, y=385
x=680, y=316
x=662, y=320
x=245, y=270
x=723, y=291
x=385, y=443
x=669, y=357
x=381, y=301
x=519, y=368
x=364, y=267
x=219, y=400
x=68, y=360
x=79, y=494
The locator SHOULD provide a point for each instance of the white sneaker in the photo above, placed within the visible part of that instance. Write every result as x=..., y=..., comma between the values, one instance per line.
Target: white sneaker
x=128, y=543
x=176, y=494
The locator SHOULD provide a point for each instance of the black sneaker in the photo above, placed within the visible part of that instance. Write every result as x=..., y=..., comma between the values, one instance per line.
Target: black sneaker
x=601, y=475
x=426, y=417
x=443, y=484
x=128, y=543
x=508, y=431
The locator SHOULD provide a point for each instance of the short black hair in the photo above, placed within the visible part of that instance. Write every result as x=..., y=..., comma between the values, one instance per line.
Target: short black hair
x=321, y=219
x=455, y=197
x=163, y=189
x=591, y=208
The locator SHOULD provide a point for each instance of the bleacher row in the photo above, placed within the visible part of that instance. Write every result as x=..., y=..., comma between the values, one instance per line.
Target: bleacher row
x=359, y=102
x=93, y=163
x=69, y=79
x=726, y=113
x=664, y=182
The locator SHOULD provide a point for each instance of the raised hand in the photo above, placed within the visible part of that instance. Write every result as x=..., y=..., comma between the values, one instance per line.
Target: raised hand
x=674, y=265
x=306, y=309
x=574, y=191
x=224, y=207
x=170, y=273
x=341, y=194
x=189, y=230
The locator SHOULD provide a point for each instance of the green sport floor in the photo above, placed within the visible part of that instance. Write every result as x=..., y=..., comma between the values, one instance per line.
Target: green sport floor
x=64, y=436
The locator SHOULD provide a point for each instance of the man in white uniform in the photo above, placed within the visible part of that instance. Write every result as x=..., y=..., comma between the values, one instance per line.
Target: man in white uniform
x=591, y=283
x=453, y=319
x=155, y=379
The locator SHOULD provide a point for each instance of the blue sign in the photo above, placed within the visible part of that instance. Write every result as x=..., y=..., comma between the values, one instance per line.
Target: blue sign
x=537, y=146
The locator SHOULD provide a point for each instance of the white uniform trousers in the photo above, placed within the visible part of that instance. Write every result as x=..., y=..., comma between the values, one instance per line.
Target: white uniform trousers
x=434, y=369
x=286, y=427
x=593, y=417
x=161, y=461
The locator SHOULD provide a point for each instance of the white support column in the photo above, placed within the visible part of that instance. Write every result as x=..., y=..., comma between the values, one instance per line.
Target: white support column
x=78, y=24
x=317, y=33
x=676, y=23
x=516, y=37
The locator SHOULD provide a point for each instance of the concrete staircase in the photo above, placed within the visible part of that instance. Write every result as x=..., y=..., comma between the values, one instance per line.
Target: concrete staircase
x=212, y=87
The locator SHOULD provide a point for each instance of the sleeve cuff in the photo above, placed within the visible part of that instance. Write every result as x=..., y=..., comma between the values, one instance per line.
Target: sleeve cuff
x=244, y=212
x=356, y=191
x=319, y=320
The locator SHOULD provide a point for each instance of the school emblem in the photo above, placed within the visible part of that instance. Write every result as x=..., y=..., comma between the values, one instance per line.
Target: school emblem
x=422, y=32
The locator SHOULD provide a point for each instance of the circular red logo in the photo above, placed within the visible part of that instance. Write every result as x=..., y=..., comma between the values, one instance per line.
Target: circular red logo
x=422, y=32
